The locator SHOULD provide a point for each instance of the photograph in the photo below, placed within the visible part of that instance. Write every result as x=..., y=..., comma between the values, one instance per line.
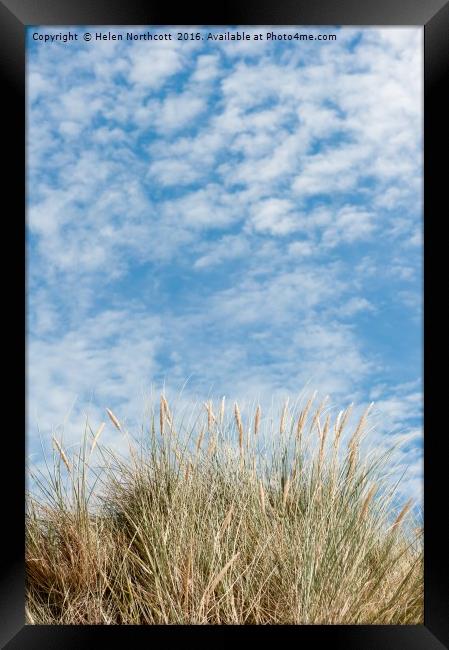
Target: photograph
x=224, y=262
x=224, y=269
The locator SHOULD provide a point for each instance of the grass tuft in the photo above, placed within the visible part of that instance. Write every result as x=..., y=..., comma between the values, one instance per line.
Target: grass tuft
x=281, y=528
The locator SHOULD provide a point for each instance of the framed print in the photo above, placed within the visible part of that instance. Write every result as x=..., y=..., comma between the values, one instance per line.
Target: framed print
x=231, y=349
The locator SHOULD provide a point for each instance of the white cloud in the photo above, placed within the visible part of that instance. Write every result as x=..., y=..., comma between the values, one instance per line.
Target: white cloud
x=301, y=248
x=171, y=172
x=275, y=216
x=176, y=111
x=152, y=66
x=354, y=306
x=107, y=357
x=208, y=208
x=227, y=248
x=349, y=225
x=336, y=170
x=207, y=69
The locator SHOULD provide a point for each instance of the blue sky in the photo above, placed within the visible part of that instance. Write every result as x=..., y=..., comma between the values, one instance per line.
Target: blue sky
x=247, y=216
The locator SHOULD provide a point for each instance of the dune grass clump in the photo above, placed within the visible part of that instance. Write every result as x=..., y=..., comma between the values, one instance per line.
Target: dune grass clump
x=229, y=520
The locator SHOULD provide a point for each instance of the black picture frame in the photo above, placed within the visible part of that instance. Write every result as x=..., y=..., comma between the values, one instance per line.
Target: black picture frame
x=433, y=15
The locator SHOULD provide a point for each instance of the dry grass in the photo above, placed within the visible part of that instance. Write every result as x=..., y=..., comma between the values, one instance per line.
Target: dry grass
x=290, y=527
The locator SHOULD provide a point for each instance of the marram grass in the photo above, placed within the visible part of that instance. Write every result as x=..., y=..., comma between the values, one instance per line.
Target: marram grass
x=223, y=522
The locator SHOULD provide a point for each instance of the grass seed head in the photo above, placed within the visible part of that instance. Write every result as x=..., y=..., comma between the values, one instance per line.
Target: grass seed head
x=238, y=419
x=283, y=418
x=97, y=435
x=114, y=420
x=62, y=454
x=402, y=514
x=257, y=420
x=222, y=409
x=367, y=501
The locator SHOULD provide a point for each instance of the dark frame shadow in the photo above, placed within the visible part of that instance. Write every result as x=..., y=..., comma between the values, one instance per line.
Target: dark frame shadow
x=433, y=15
